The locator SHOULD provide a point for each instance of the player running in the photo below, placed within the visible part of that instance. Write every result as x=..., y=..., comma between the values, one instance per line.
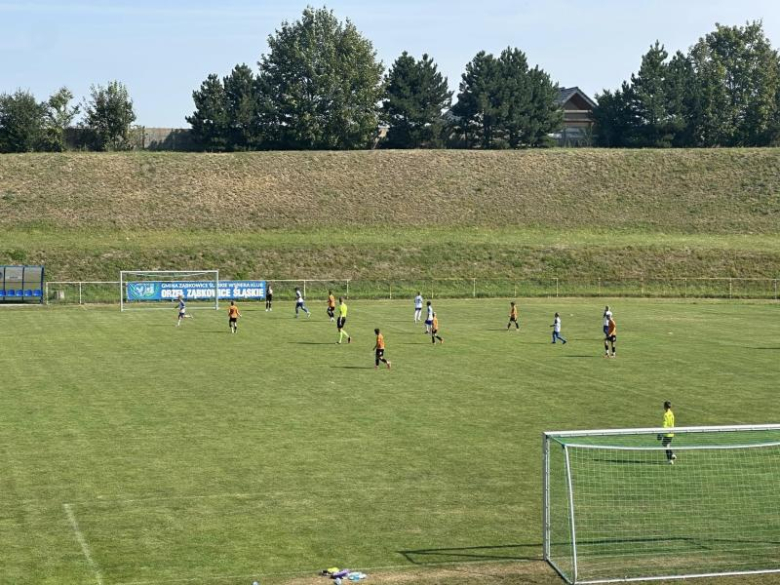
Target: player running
x=435, y=330
x=269, y=298
x=428, y=318
x=331, y=306
x=611, y=337
x=342, y=320
x=233, y=315
x=300, y=304
x=182, y=311
x=379, y=349
x=556, y=334
x=666, y=438
x=418, y=306
x=512, y=316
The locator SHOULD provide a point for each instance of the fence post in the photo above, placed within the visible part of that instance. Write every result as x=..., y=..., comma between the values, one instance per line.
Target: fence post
x=515, y=295
x=599, y=286
x=80, y=293
x=473, y=288
x=390, y=286
x=347, y=288
x=775, y=289
x=46, y=291
x=729, y=288
x=557, y=287
x=304, y=289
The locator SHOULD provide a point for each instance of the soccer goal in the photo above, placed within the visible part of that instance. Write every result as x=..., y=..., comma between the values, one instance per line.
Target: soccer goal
x=157, y=289
x=629, y=505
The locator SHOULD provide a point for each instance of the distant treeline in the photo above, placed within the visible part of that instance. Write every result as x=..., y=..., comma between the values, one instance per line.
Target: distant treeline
x=321, y=87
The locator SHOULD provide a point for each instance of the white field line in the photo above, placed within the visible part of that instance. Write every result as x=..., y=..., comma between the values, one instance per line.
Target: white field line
x=83, y=542
x=315, y=572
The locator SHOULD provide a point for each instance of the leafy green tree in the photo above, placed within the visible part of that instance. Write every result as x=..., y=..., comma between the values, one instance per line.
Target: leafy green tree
x=109, y=114
x=61, y=116
x=241, y=106
x=739, y=75
x=210, y=120
x=416, y=96
x=23, y=123
x=324, y=83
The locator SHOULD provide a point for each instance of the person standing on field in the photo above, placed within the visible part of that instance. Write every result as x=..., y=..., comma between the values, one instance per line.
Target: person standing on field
x=418, y=306
x=428, y=318
x=435, y=330
x=341, y=321
x=233, y=315
x=607, y=316
x=611, y=337
x=269, y=297
x=331, y=306
x=556, y=334
x=666, y=438
x=513, y=317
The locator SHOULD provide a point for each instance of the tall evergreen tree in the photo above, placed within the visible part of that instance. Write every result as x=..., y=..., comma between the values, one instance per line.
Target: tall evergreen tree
x=241, y=105
x=416, y=95
x=325, y=83
x=210, y=121
x=616, y=120
x=477, y=110
x=651, y=102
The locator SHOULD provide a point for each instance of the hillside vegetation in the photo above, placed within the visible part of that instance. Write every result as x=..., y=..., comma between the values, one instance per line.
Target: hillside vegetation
x=388, y=214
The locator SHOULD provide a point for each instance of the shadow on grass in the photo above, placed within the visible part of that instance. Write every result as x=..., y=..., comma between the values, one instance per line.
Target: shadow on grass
x=579, y=356
x=313, y=342
x=509, y=552
x=353, y=367
x=769, y=348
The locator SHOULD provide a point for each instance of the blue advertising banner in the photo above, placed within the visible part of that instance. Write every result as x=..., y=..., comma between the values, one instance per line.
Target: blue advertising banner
x=195, y=291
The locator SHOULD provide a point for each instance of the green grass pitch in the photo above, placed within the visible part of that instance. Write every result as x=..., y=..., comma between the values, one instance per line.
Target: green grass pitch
x=135, y=452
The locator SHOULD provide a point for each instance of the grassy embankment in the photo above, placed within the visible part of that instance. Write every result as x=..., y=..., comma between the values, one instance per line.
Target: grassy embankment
x=590, y=214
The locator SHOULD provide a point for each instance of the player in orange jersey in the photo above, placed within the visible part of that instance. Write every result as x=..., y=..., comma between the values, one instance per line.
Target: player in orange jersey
x=379, y=349
x=233, y=315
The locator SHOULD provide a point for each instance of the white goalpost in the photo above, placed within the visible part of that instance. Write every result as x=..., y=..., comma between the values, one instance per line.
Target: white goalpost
x=157, y=289
x=640, y=505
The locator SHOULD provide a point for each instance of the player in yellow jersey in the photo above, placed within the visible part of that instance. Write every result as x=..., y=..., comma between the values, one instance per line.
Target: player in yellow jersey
x=512, y=316
x=342, y=320
x=666, y=438
x=379, y=349
x=233, y=315
x=331, y=305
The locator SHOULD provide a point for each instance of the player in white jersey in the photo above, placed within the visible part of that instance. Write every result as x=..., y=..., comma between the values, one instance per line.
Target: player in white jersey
x=300, y=304
x=418, y=305
x=557, y=329
x=607, y=317
x=429, y=319
x=182, y=311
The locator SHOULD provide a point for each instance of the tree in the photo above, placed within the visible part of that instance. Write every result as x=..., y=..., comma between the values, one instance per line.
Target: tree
x=416, y=95
x=650, y=99
x=616, y=121
x=241, y=105
x=502, y=103
x=324, y=82
x=109, y=114
x=61, y=116
x=23, y=123
x=739, y=73
x=477, y=110
x=210, y=120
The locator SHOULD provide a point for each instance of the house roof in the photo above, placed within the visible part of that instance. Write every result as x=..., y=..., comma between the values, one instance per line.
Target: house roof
x=566, y=93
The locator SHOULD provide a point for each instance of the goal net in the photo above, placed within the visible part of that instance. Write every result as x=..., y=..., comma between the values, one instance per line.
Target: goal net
x=630, y=505
x=158, y=289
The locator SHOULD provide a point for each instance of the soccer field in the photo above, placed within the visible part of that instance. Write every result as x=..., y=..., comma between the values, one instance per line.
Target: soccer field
x=136, y=452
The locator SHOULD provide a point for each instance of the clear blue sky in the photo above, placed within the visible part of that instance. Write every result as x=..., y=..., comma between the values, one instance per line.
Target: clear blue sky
x=162, y=50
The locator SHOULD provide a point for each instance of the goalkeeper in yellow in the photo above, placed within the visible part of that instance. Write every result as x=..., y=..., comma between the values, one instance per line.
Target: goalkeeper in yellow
x=666, y=438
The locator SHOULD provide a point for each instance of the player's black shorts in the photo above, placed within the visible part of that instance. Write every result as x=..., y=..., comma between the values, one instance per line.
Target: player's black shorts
x=380, y=353
x=340, y=321
x=513, y=319
x=269, y=297
x=434, y=331
x=612, y=338
x=232, y=320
